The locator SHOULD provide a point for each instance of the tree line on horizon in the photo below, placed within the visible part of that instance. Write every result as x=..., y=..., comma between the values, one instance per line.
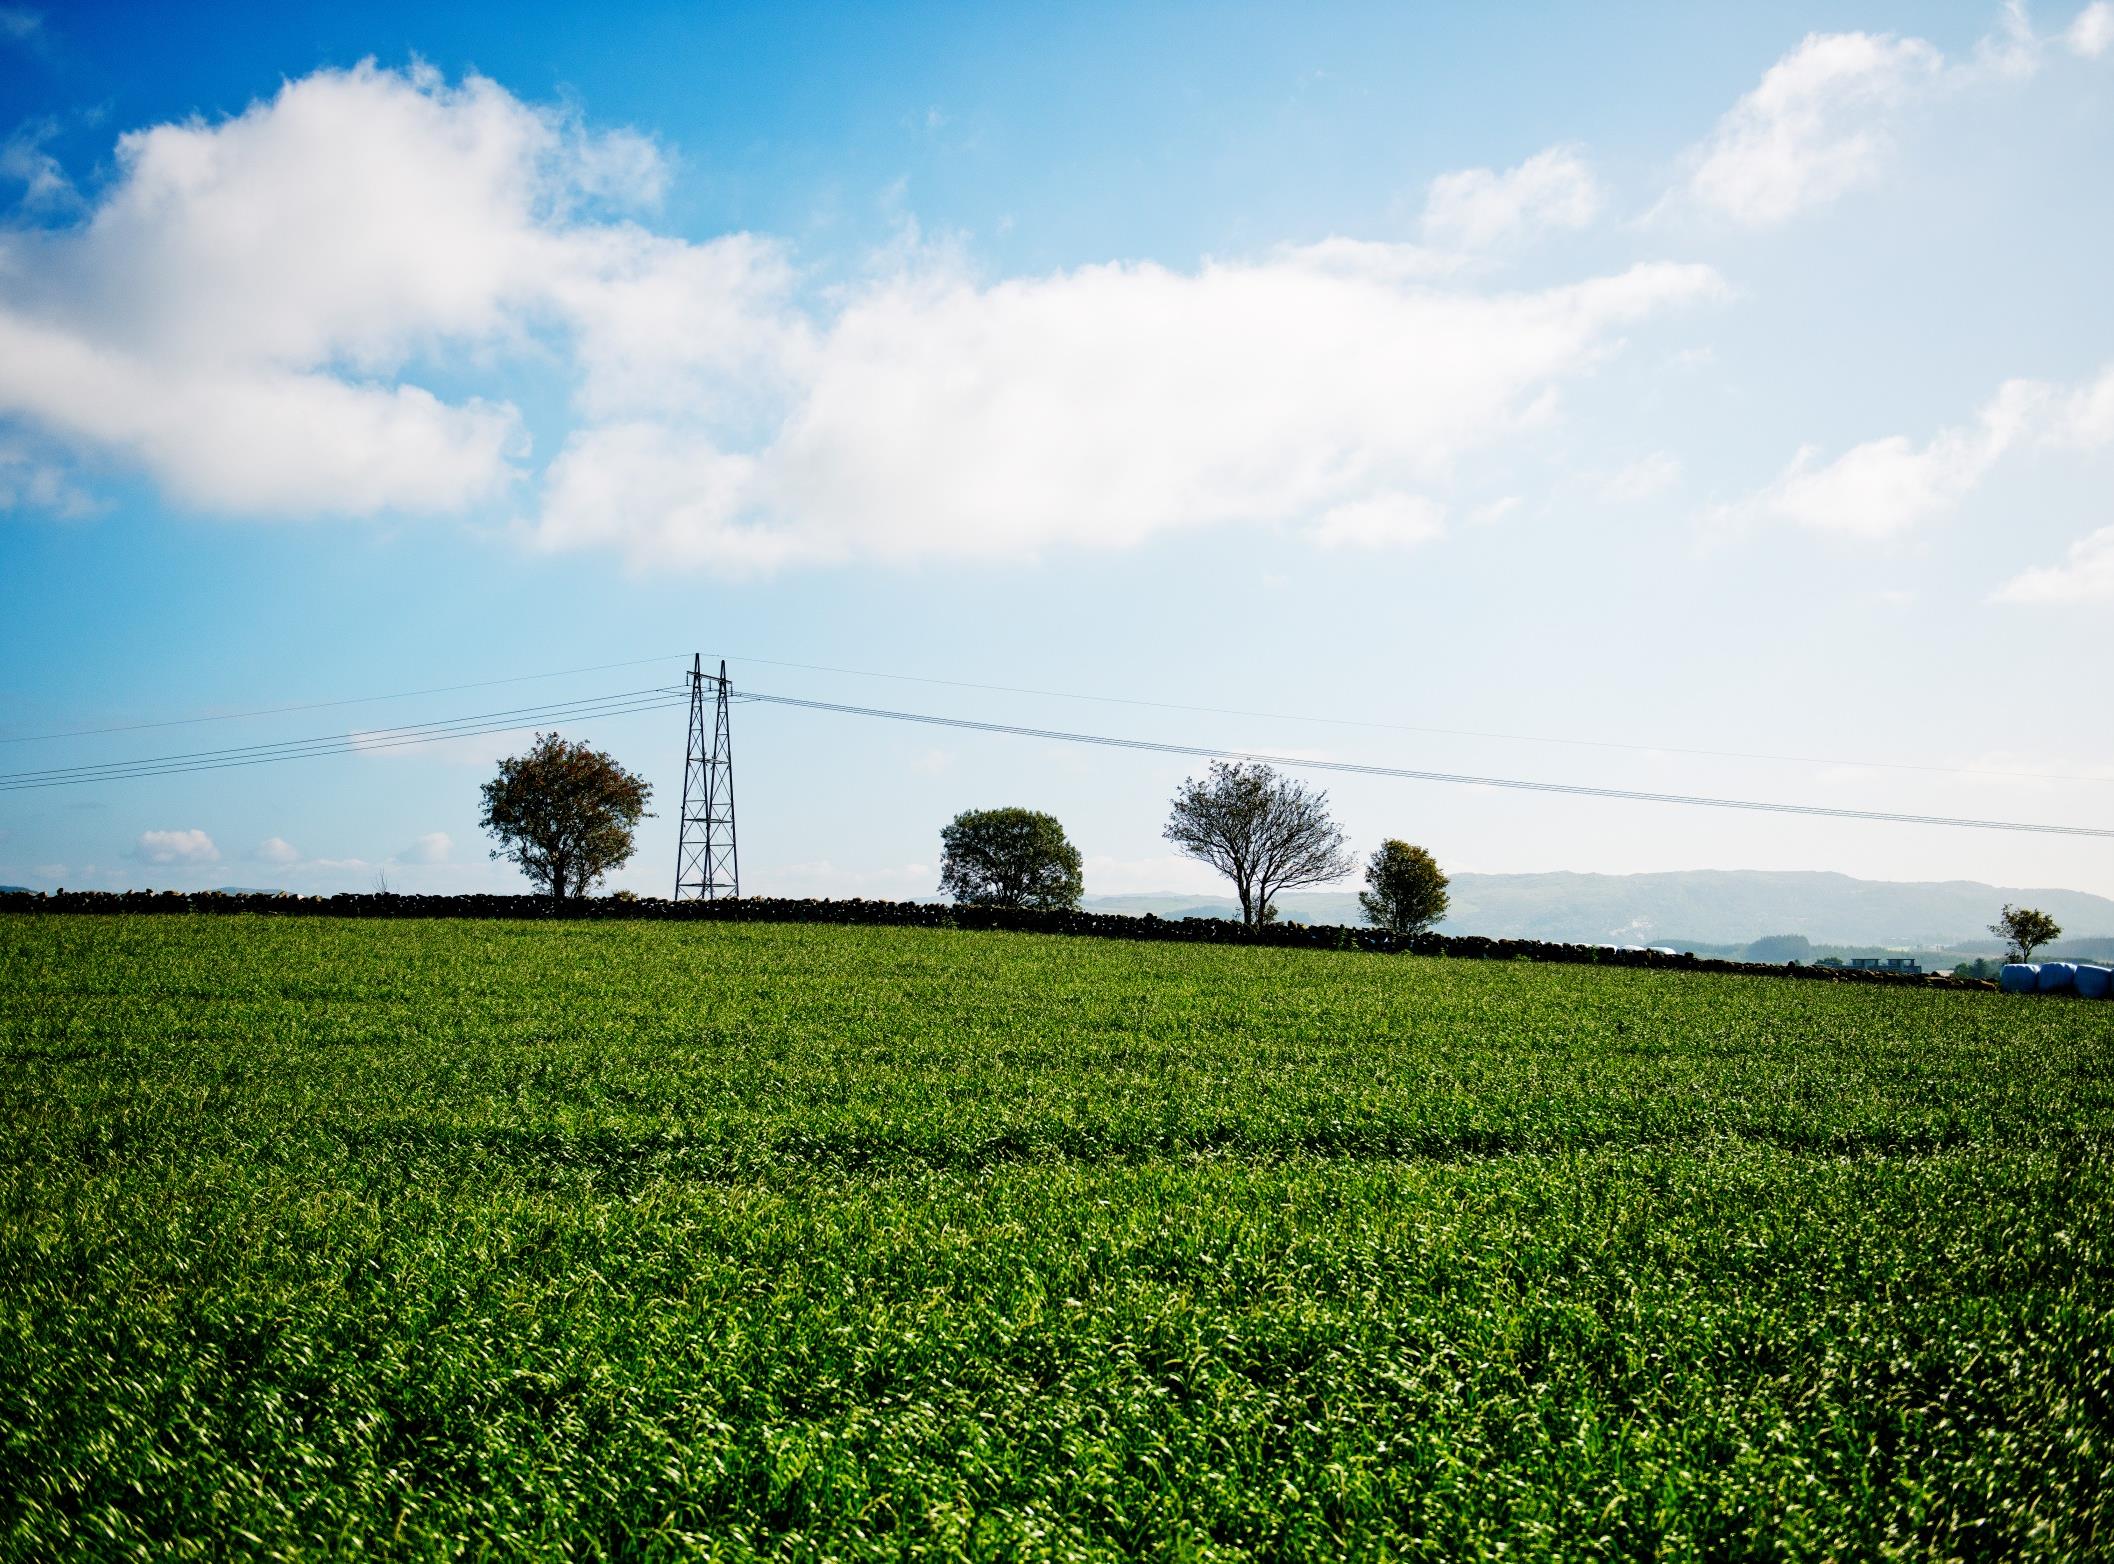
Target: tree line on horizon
x=1267, y=833
x=567, y=815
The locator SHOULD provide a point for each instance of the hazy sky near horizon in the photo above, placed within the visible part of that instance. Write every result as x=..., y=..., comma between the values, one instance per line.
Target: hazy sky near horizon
x=1714, y=403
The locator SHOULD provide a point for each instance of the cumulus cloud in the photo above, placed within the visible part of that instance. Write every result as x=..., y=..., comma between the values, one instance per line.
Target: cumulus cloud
x=1476, y=208
x=1823, y=119
x=247, y=312
x=1887, y=486
x=236, y=314
x=2087, y=576
x=2092, y=33
x=175, y=847
x=1814, y=128
x=276, y=850
x=1099, y=407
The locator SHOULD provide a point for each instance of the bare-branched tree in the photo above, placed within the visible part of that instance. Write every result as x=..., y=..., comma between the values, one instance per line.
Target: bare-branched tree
x=1266, y=833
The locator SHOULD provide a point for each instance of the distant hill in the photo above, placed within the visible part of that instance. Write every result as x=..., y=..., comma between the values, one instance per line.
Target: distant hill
x=1701, y=906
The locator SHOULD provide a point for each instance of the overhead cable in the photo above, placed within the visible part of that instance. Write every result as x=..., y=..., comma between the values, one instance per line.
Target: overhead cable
x=619, y=705
x=350, y=700
x=1573, y=789
x=1406, y=727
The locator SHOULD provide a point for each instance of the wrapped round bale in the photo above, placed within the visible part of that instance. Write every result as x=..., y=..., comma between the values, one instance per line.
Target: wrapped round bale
x=2058, y=977
x=2019, y=977
x=2095, y=982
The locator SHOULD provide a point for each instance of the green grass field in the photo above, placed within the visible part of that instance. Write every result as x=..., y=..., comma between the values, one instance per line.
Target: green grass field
x=484, y=1240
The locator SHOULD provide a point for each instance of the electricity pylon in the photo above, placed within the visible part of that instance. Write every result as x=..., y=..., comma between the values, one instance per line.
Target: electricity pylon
x=706, y=865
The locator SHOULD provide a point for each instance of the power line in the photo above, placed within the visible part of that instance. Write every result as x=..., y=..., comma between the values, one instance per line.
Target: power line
x=633, y=702
x=1574, y=789
x=361, y=736
x=1113, y=700
x=1404, y=727
x=350, y=700
x=619, y=705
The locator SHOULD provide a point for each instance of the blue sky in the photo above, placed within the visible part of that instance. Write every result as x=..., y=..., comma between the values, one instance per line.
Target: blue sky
x=1558, y=392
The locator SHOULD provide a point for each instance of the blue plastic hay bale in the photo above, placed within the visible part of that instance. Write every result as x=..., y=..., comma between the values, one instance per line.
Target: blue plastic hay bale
x=2019, y=977
x=2058, y=977
x=2095, y=982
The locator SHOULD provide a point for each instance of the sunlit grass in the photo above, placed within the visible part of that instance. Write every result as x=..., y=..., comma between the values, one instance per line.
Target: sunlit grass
x=461, y=1238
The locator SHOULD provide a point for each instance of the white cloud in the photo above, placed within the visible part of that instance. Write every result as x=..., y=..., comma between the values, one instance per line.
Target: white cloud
x=276, y=850
x=19, y=24
x=1476, y=208
x=1887, y=486
x=24, y=161
x=236, y=314
x=244, y=314
x=1814, y=128
x=433, y=847
x=2012, y=51
x=2087, y=576
x=1381, y=521
x=1097, y=408
x=176, y=847
x=2084, y=419
x=2092, y=33
x=1643, y=479
x=255, y=440
x=27, y=482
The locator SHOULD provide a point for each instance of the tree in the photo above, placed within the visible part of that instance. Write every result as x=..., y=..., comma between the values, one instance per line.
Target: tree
x=565, y=813
x=1265, y=832
x=1780, y=949
x=1009, y=858
x=2025, y=927
x=1405, y=890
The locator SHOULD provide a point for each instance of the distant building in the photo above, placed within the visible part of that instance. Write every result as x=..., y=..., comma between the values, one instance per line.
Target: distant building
x=1885, y=964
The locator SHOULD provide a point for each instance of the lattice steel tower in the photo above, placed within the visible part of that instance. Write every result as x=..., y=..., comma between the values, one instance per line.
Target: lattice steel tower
x=706, y=865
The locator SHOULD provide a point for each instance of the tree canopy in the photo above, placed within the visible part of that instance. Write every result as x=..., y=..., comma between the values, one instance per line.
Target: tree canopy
x=1405, y=890
x=1009, y=858
x=565, y=813
x=2027, y=928
x=1265, y=832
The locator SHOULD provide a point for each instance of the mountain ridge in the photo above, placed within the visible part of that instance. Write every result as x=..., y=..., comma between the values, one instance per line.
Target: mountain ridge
x=1717, y=906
